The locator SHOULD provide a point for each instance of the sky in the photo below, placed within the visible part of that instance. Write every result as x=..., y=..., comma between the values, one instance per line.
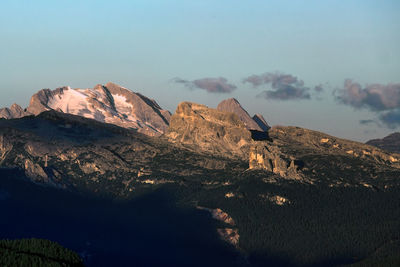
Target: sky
x=331, y=66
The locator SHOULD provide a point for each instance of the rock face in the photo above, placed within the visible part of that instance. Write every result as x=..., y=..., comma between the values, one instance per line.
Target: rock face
x=232, y=105
x=74, y=152
x=5, y=147
x=270, y=158
x=229, y=234
x=223, y=133
x=108, y=103
x=276, y=199
x=14, y=112
x=209, y=130
x=389, y=143
x=262, y=123
x=300, y=139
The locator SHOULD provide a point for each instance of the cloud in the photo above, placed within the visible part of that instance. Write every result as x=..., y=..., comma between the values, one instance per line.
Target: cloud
x=379, y=98
x=376, y=97
x=284, y=86
x=365, y=122
x=374, y=122
x=285, y=93
x=391, y=118
x=211, y=85
x=319, y=88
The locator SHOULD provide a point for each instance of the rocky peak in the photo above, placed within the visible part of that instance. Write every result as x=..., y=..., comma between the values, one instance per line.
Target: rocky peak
x=110, y=103
x=261, y=122
x=232, y=105
x=14, y=112
x=146, y=109
x=16, y=109
x=39, y=101
x=209, y=130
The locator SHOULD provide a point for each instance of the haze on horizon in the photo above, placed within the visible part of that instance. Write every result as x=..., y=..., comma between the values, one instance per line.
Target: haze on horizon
x=325, y=65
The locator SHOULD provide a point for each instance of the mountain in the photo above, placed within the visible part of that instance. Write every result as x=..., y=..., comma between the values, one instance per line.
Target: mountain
x=74, y=152
x=210, y=130
x=340, y=198
x=232, y=105
x=14, y=112
x=108, y=103
x=389, y=143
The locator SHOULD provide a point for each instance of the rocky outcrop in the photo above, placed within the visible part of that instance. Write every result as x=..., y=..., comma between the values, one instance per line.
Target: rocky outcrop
x=222, y=216
x=219, y=215
x=34, y=170
x=108, y=103
x=229, y=234
x=5, y=147
x=270, y=158
x=224, y=133
x=304, y=141
x=14, y=112
x=390, y=143
x=232, y=105
x=262, y=123
x=276, y=199
x=209, y=130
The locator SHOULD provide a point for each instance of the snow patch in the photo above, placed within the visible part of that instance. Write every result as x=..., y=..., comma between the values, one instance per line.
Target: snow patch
x=122, y=105
x=71, y=101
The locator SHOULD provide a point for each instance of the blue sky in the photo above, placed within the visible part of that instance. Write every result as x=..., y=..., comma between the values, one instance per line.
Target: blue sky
x=144, y=45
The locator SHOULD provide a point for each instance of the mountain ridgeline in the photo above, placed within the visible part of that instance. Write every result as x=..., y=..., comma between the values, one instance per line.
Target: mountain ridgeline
x=262, y=186
x=109, y=103
x=389, y=143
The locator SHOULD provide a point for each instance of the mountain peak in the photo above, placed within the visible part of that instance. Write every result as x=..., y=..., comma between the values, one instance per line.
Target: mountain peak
x=14, y=112
x=113, y=85
x=233, y=105
x=231, y=100
x=211, y=130
x=109, y=103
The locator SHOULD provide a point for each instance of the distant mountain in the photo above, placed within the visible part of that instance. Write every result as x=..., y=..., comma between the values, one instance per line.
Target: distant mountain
x=210, y=130
x=232, y=105
x=207, y=159
x=389, y=143
x=108, y=103
x=74, y=152
x=14, y=112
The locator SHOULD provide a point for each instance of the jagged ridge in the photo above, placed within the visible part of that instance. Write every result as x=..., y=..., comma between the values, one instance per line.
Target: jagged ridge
x=108, y=103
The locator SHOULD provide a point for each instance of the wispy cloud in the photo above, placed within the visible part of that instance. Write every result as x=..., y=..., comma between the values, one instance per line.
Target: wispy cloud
x=211, y=85
x=283, y=86
x=366, y=122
